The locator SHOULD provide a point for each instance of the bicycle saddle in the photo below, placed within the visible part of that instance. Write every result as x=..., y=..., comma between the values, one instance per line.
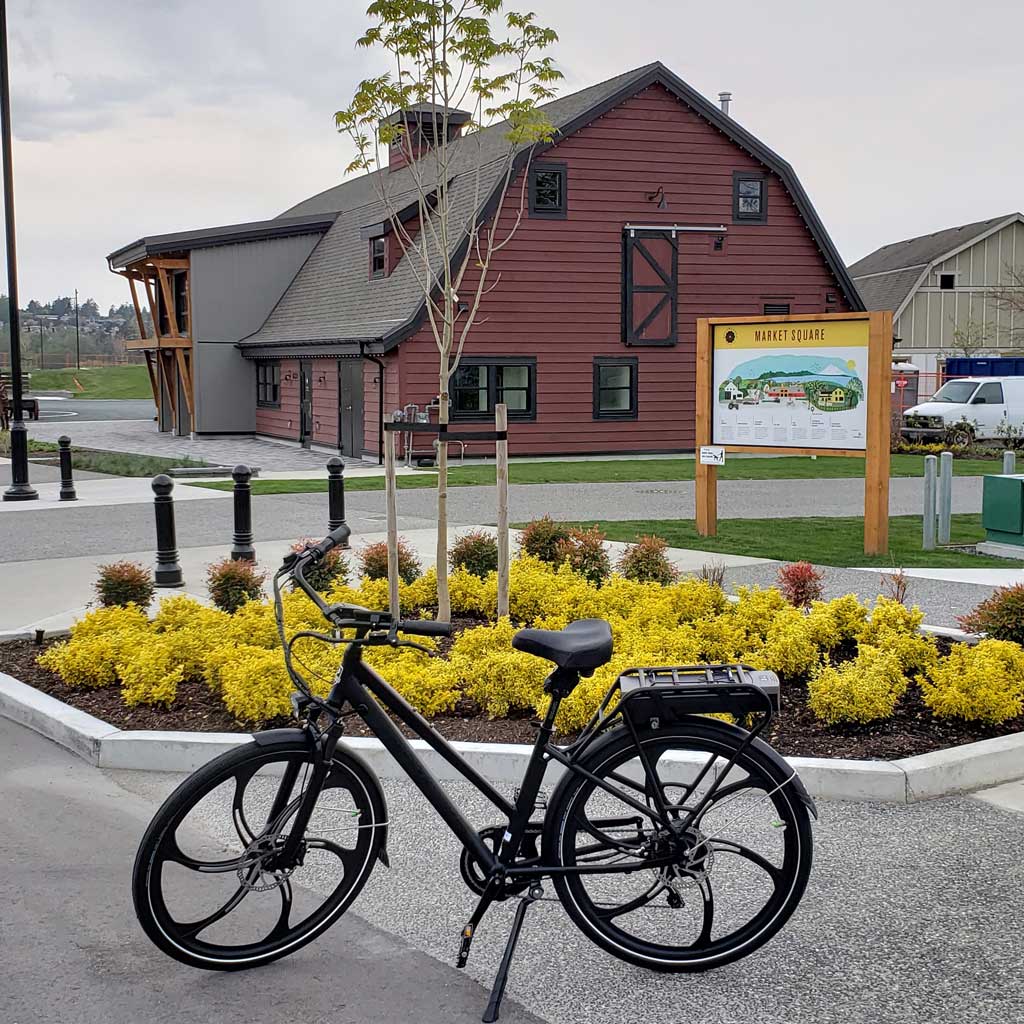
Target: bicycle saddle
x=583, y=645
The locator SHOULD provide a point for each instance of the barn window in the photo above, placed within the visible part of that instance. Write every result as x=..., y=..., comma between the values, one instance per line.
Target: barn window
x=268, y=385
x=480, y=384
x=615, y=388
x=548, y=190
x=650, y=287
x=947, y=282
x=378, y=257
x=749, y=198
x=776, y=309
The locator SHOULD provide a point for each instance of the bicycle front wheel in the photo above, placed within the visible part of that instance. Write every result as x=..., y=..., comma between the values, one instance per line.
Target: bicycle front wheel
x=716, y=883
x=206, y=887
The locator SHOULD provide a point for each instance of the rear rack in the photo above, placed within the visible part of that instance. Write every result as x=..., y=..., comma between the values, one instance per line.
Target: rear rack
x=736, y=689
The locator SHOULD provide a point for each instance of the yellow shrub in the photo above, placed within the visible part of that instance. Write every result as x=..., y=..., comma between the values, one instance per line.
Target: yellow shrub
x=862, y=690
x=255, y=685
x=427, y=683
x=836, y=622
x=151, y=673
x=789, y=648
x=421, y=593
x=757, y=608
x=98, y=642
x=890, y=617
x=493, y=674
x=983, y=683
x=468, y=593
x=695, y=599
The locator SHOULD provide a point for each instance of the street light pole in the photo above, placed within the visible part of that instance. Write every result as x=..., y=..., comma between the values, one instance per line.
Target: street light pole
x=42, y=354
x=20, y=489
x=78, y=337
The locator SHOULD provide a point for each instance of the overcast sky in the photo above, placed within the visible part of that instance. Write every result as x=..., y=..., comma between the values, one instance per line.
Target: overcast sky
x=900, y=116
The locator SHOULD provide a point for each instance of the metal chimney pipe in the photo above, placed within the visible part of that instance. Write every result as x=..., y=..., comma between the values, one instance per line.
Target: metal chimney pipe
x=724, y=99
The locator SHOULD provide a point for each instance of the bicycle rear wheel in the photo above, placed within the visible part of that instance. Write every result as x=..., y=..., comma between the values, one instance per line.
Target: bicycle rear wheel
x=702, y=893
x=205, y=887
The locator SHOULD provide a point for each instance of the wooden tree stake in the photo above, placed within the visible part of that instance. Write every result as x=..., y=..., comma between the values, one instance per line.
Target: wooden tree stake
x=501, y=424
x=391, y=487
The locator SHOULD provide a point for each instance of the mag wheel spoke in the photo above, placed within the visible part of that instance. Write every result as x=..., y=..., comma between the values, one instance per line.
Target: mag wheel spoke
x=171, y=852
x=609, y=914
x=193, y=928
x=727, y=846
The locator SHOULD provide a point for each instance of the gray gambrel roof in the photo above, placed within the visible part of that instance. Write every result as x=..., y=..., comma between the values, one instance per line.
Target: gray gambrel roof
x=887, y=277
x=332, y=299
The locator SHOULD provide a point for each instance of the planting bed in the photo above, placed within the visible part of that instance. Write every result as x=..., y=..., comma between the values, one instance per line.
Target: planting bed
x=911, y=729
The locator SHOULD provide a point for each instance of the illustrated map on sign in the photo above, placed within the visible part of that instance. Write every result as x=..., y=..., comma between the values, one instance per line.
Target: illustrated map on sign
x=823, y=383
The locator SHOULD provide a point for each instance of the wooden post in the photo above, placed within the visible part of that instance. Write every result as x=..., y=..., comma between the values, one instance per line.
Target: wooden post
x=391, y=487
x=876, y=469
x=705, y=477
x=501, y=425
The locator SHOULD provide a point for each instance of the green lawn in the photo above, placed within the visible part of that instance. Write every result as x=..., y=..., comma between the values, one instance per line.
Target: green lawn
x=630, y=471
x=97, y=382
x=822, y=540
x=114, y=463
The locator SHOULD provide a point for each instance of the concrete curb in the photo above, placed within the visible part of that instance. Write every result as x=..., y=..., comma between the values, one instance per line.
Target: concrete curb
x=927, y=776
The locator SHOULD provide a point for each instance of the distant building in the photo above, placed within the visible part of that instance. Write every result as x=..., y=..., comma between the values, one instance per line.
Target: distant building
x=937, y=283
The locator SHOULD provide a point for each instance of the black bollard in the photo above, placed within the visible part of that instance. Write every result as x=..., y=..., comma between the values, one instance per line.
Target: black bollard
x=168, y=571
x=67, y=483
x=241, y=540
x=335, y=494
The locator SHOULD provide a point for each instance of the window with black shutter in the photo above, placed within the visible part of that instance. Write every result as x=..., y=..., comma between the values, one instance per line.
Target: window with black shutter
x=268, y=385
x=650, y=287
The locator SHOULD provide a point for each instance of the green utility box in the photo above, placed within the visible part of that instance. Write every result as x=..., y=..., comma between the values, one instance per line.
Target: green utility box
x=1002, y=509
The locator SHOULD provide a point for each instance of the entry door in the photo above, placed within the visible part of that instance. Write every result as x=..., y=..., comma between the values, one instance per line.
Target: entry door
x=305, y=403
x=350, y=407
x=650, y=287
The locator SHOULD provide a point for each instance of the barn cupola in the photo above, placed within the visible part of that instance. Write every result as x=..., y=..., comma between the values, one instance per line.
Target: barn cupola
x=424, y=124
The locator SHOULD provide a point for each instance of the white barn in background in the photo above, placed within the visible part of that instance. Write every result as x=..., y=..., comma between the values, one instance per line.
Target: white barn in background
x=937, y=283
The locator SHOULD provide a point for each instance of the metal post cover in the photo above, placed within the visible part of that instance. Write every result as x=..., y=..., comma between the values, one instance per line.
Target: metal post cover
x=945, y=496
x=1009, y=462
x=931, y=465
x=67, y=482
x=335, y=495
x=168, y=571
x=241, y=540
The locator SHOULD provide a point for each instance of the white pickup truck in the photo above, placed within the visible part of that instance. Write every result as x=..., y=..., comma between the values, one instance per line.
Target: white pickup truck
x=969, y=408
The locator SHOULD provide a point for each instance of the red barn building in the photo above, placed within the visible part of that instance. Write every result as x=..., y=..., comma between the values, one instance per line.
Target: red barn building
x=650, y=209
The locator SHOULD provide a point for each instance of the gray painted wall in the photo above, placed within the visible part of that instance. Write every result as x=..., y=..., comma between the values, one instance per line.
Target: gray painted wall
x=234, y=288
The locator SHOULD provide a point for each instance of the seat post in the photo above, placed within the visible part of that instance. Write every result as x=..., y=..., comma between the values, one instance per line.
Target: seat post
x=560, y=684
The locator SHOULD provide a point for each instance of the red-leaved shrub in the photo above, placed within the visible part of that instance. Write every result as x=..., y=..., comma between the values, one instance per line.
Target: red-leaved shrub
x=476, y=552
x=541, y=537
x=373, y=562
x=1000, y=615
x=647, y=562
x=800, y=583
x=585, y=552
x=232, y=583
x=123, y=583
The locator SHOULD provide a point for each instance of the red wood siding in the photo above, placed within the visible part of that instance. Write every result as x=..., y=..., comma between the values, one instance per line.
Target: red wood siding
x=559, y=295
x=371, y=403
x=283, y=422
x=325, y=402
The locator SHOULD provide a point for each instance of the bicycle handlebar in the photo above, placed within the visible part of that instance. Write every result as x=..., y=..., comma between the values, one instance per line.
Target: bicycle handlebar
x=349, y=615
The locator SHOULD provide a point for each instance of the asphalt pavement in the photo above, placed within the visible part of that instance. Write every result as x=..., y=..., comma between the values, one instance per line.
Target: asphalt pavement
x=71, y=951
x=912, y=916
x=56, y=408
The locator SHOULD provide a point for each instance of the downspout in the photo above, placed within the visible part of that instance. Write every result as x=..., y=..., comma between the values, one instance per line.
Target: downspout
x=380, y=400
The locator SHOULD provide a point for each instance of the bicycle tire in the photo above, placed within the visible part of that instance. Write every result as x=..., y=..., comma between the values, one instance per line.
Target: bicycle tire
x=567, y=818
x=160, y=846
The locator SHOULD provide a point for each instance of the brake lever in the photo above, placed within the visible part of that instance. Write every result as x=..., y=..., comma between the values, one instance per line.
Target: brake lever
x=393, y=641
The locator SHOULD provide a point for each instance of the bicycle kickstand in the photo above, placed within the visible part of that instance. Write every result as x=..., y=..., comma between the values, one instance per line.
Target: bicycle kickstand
x=498, y=990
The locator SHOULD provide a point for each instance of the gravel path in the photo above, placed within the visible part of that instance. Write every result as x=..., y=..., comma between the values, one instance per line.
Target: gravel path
x=911, y=916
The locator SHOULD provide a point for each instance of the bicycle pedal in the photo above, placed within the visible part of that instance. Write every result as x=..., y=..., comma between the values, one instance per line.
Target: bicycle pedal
x=464, y=944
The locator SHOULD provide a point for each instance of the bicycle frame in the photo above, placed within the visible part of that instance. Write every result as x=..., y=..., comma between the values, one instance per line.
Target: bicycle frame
x=358, y=684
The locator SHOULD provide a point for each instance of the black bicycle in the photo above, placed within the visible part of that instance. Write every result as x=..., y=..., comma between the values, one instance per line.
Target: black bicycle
x=675, y=841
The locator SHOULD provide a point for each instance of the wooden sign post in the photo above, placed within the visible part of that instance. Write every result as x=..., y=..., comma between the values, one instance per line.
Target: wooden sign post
x=792, y=385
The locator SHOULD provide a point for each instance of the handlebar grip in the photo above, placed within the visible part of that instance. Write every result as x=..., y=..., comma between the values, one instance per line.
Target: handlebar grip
x=337, y=537
x=425, y=627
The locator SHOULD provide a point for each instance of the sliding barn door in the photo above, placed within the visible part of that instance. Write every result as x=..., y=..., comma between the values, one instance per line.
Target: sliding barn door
x=650, y=287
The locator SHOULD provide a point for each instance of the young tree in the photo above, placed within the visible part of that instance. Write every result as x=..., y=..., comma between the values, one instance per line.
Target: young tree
x=971, y=336
x=1009, y=299
x=445, y=56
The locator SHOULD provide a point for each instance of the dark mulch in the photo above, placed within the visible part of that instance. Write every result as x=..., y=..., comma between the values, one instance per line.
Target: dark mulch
x=911, y=730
